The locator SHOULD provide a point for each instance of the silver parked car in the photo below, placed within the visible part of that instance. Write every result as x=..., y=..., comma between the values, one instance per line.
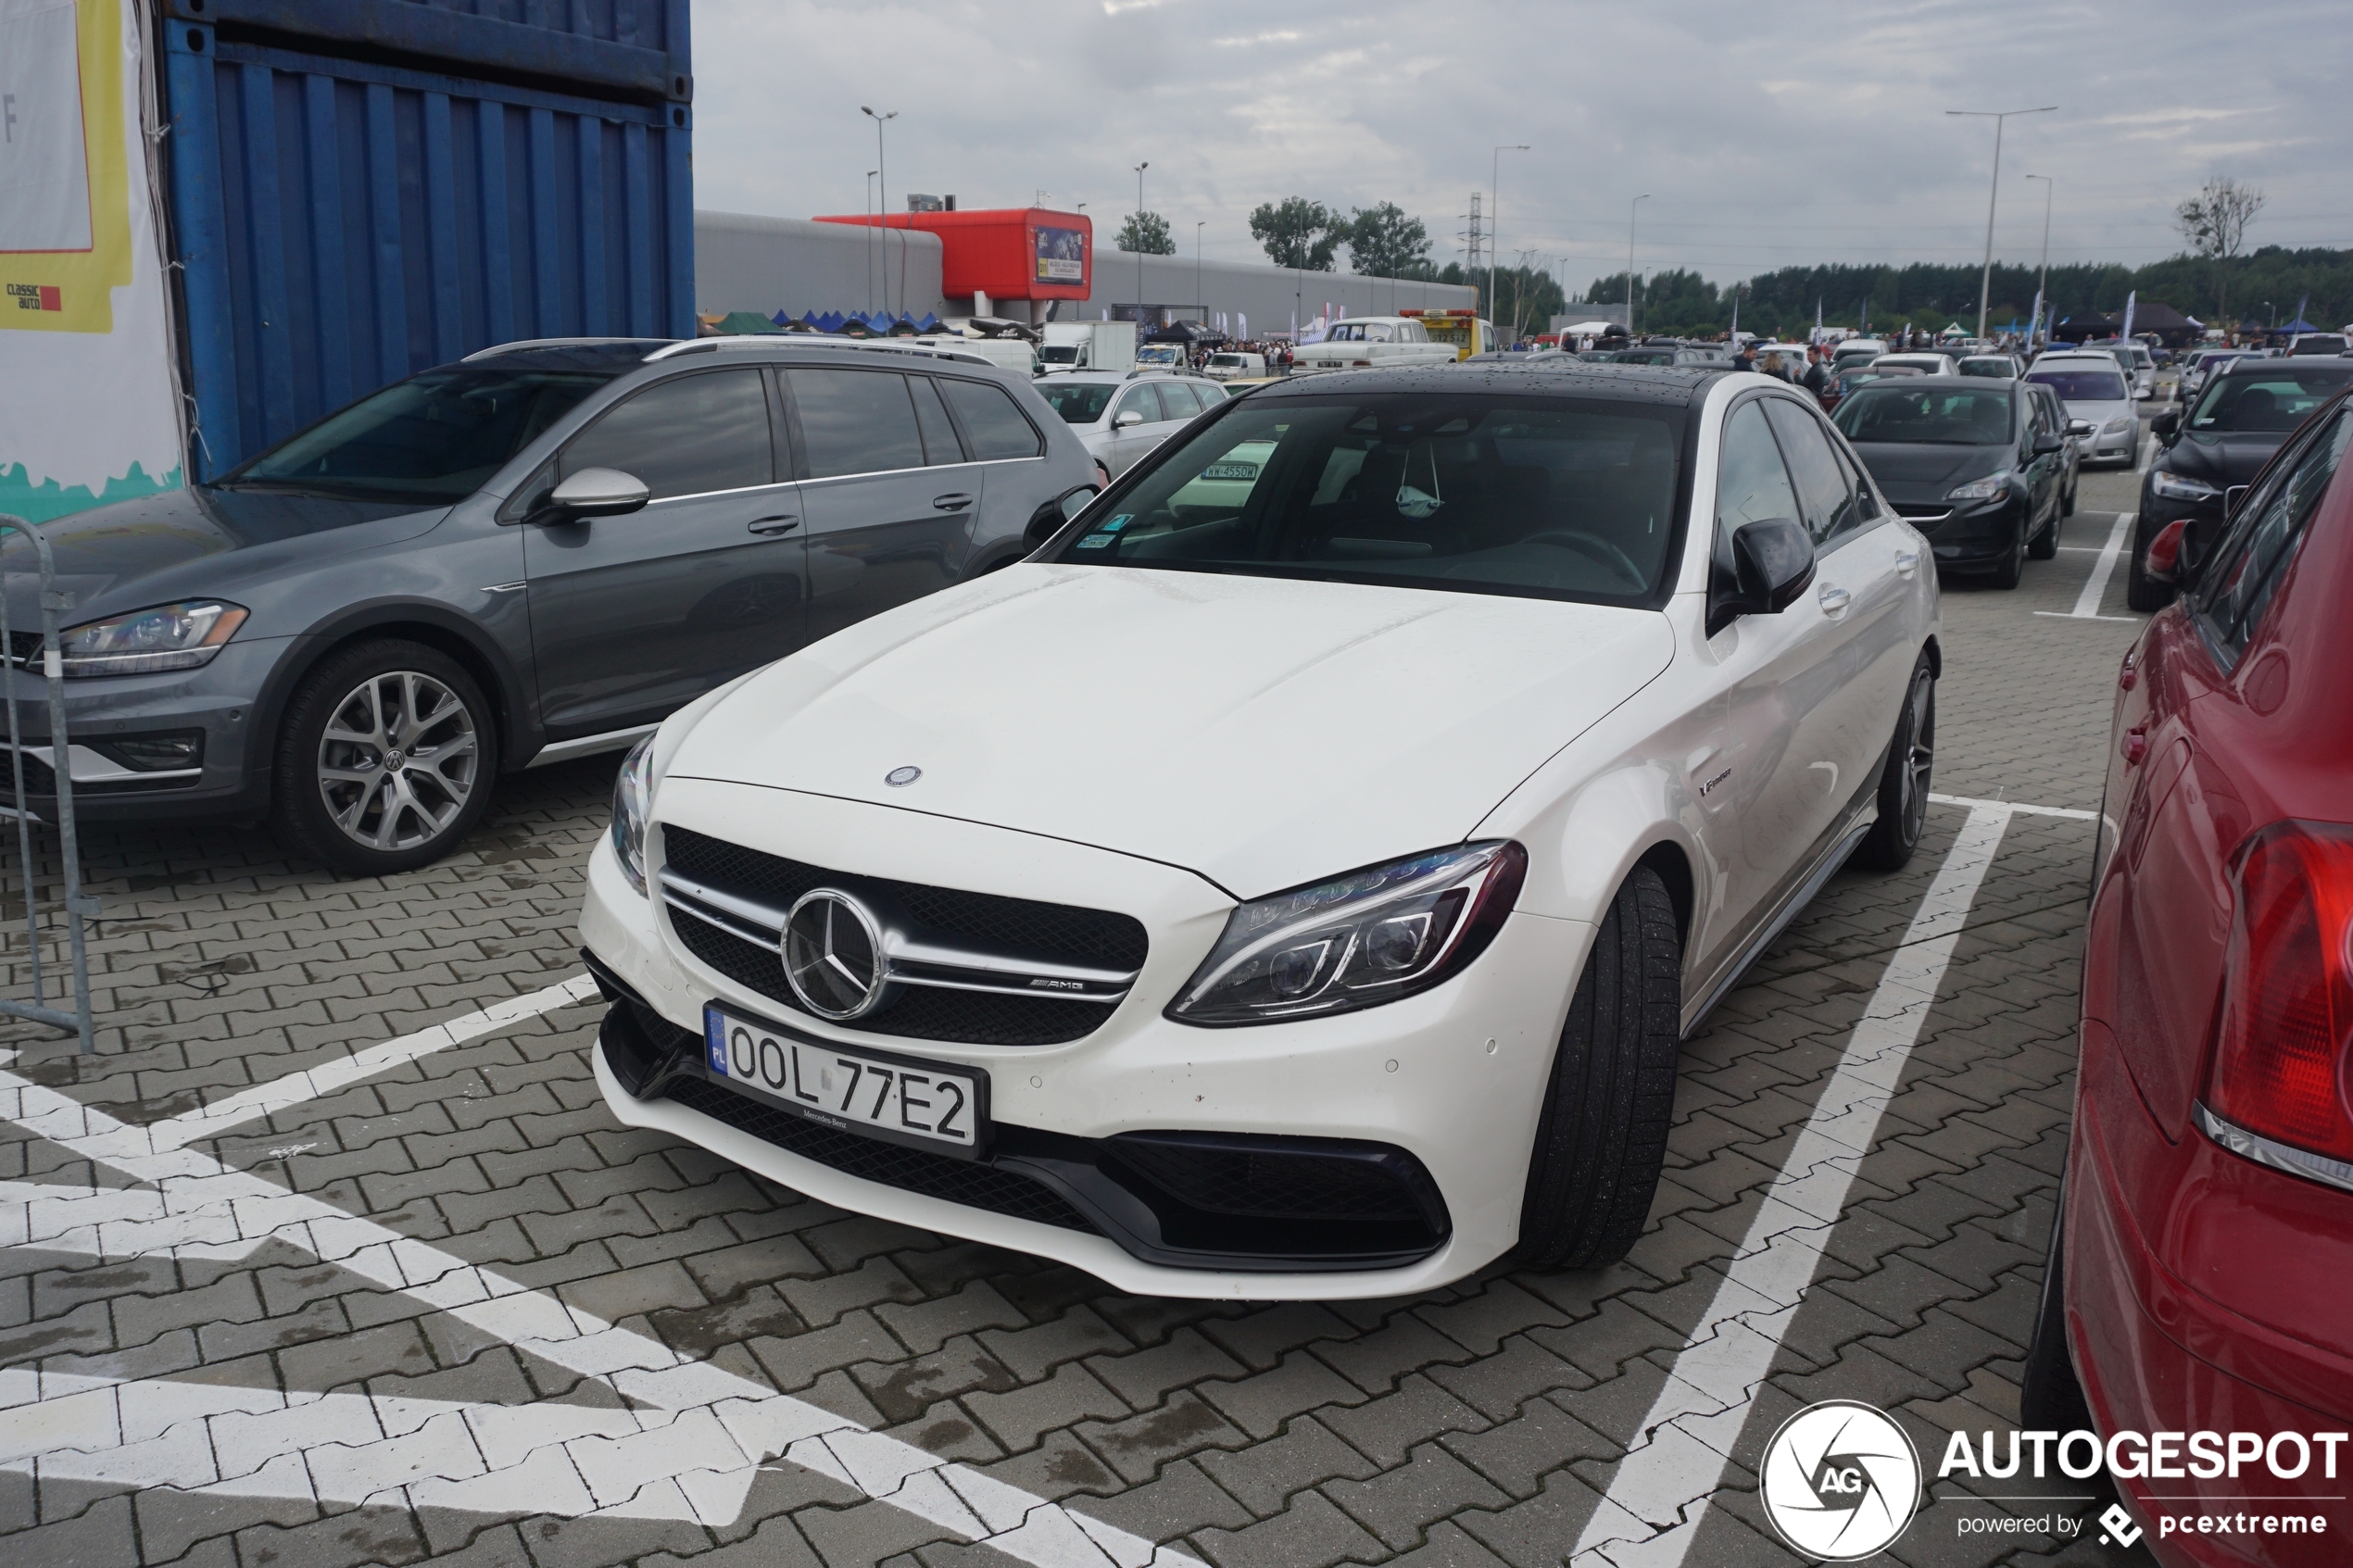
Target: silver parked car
x=1120, y=415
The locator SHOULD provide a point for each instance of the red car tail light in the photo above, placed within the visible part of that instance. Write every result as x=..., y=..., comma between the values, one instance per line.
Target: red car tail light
x=2283, y=1065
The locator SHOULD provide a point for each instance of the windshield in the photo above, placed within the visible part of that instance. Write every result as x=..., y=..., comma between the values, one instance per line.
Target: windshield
x=2082, y=386
x=1931, y=416
x=2275, y=398
x=1999, y=370
x=1079, y=403
x=1548, y=497
x=1225, y=359
x=1058, y=353
x=435, y=437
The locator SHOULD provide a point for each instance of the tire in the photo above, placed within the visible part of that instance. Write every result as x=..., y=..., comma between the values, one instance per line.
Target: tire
x=2143, y=592
x=349, y=715
x=2012, y=570
x=2050, y=1395
x=1903, y=780
x=1602, y=1139
x=2045, y=545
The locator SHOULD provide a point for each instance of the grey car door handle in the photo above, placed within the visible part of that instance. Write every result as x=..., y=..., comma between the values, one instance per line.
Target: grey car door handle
x=1907, y=562
x=1834, y=599
x=784, y=523
x=950, y=502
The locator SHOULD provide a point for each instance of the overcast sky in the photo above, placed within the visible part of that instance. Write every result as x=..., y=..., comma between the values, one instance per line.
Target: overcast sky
x=1768, y=134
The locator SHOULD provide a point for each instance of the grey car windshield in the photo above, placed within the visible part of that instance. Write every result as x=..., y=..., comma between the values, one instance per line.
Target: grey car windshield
x=2275, y=398
x=1081, y=403
x=2084, y=386
x=1550, y=497
x=1933, y=416
x=435, y=437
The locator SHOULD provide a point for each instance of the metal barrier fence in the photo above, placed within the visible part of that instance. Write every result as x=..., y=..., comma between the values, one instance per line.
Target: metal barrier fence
x=77, y=906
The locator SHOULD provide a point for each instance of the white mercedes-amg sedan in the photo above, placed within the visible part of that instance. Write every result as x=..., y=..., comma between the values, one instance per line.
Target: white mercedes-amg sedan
x=1294, y=878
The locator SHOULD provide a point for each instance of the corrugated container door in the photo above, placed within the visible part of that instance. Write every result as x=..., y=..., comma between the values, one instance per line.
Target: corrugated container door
x=343, y=223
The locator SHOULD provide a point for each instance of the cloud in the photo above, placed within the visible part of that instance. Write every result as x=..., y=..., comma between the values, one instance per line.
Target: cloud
x=1800, y=132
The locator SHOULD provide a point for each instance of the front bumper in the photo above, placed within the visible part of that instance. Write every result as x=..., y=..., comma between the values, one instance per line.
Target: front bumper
x=1453, y=1078
x=1972, y=534
x=2158, y=1351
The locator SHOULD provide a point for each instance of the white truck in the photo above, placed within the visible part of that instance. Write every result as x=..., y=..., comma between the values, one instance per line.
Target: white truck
x=1088, y=345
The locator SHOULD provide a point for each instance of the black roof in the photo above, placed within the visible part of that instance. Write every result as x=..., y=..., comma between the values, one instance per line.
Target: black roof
x=1672, y=385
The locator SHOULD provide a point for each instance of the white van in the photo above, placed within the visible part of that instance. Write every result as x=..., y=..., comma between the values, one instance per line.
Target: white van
x=1230, y=364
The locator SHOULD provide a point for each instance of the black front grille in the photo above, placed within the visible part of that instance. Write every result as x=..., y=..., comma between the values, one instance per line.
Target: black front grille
x=1055, y=930
x=1271, y=1184
x=22, y=647
x=974, y=1185
x=920, y=1012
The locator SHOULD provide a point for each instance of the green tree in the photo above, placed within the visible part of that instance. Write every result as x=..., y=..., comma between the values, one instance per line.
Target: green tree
x=1299, y=233
x=1384, y=243
x=1147, y=231
x=2214, y=222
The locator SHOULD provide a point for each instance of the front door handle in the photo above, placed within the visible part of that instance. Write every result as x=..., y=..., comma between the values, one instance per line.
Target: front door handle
x=950, y=502
x=1907, y=562
x=1833, y=599
x=784, y=523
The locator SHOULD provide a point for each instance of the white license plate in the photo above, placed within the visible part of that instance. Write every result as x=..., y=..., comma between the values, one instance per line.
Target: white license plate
x=899, y=1099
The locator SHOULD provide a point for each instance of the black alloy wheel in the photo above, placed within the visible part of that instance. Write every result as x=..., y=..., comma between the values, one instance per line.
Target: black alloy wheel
x=1904, y=782
x=384, y=760
x=2044, y=545
x=1602, y=1139
x=2011, y=570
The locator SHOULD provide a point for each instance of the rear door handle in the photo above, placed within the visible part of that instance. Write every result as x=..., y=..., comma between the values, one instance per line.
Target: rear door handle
x=782, y=523
x=1834, y=599
x=950, y=502
x=1907, y=562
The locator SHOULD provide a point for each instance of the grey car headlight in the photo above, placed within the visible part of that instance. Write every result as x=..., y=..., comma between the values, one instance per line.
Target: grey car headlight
x=1980, y=489
x=1357, y=941
x=178, y=637
x=633, y=793
x=2117, y=427
x=2175, y=487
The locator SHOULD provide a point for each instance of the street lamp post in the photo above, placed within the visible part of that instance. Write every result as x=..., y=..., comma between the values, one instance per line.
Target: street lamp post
x=1200, y=304
x=1985, y=280
x=1631, y=208
x=1140, y=243
x=1494, y=230
x=882, y=206
x=2042, y=277
x=870, y=242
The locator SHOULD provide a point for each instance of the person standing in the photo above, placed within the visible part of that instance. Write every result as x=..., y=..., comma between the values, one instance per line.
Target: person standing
x=1817, y=372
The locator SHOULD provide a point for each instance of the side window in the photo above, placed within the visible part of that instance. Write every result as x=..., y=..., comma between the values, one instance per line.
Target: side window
x=931, y=418
x=995, y=425
x=1821, y=483
x=856, y=422
x=2254, y=556
x=1179, y=400
x=1143, y=400
x=1751, y=482
x=684, y=437
x=1867, y=506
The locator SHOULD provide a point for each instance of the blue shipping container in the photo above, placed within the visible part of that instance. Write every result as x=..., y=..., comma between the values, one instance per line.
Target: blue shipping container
x=343, y=223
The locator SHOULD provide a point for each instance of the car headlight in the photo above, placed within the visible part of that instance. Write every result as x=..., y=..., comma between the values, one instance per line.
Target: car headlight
x=632, y=793
x=181, y=636
x=2175, y=487
x=1980, y=489
x=1357, y=941
x=2117, y=426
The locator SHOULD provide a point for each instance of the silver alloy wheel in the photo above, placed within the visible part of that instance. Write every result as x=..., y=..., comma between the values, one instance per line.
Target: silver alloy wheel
x=398, y=761
x=1914, y=778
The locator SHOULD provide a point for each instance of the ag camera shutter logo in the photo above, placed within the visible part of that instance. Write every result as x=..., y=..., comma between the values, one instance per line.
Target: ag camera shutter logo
x=1842, y=1480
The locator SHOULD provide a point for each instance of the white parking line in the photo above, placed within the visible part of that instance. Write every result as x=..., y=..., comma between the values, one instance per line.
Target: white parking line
x=683, y=1439
x=2087, y=603
x=1660, y=1494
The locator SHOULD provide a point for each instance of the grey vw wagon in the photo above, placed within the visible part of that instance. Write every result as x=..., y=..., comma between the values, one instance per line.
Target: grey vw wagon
x=532, y=554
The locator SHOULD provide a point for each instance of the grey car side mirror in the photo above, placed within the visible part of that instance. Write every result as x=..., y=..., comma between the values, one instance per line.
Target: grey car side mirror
x=2079, y=427
x=1126, y=418
x=597, y=492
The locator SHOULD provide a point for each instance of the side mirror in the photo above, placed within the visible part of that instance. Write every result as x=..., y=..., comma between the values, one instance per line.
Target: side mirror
x=1772, y=563
x=2079, y=427
x=594, y=492
x=1076, y=502
x=2166, y=426
x=1126, y=418
x=2046, y=444
x=2162, y=563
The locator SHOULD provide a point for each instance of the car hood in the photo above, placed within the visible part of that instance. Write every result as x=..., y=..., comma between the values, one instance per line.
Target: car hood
x=155, y=548
x=2222, y=458
x=2099, y=414
x=1262, y=732
x=1924, y=471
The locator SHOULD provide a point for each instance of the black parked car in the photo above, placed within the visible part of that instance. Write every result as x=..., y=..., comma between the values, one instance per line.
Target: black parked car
x=1979, y=466
x=535, y=554
x=2239, y=419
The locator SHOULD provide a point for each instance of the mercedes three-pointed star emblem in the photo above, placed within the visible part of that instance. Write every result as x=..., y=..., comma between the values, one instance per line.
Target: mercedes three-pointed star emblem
x=833, y=954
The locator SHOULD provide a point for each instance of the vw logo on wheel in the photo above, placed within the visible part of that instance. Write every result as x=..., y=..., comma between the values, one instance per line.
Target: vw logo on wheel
x=833, y=954
x=1841, y=1481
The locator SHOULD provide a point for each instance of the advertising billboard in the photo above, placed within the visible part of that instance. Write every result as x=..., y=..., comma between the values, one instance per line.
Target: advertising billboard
x=1061, y=255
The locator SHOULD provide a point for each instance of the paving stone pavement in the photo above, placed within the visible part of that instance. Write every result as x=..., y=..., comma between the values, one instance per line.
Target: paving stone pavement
x=1477, y=1425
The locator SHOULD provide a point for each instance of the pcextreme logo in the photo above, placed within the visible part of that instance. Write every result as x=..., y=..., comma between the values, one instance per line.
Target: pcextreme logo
x=1840, y=1480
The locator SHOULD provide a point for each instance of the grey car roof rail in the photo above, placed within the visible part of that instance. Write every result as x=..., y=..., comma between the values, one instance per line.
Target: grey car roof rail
x=812, y=340
x=499, y=348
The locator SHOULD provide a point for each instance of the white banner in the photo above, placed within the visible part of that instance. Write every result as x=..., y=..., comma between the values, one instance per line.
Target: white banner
x=87, y=411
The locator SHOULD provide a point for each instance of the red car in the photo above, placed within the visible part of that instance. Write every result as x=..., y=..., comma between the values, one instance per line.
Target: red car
x=2201, y=1276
